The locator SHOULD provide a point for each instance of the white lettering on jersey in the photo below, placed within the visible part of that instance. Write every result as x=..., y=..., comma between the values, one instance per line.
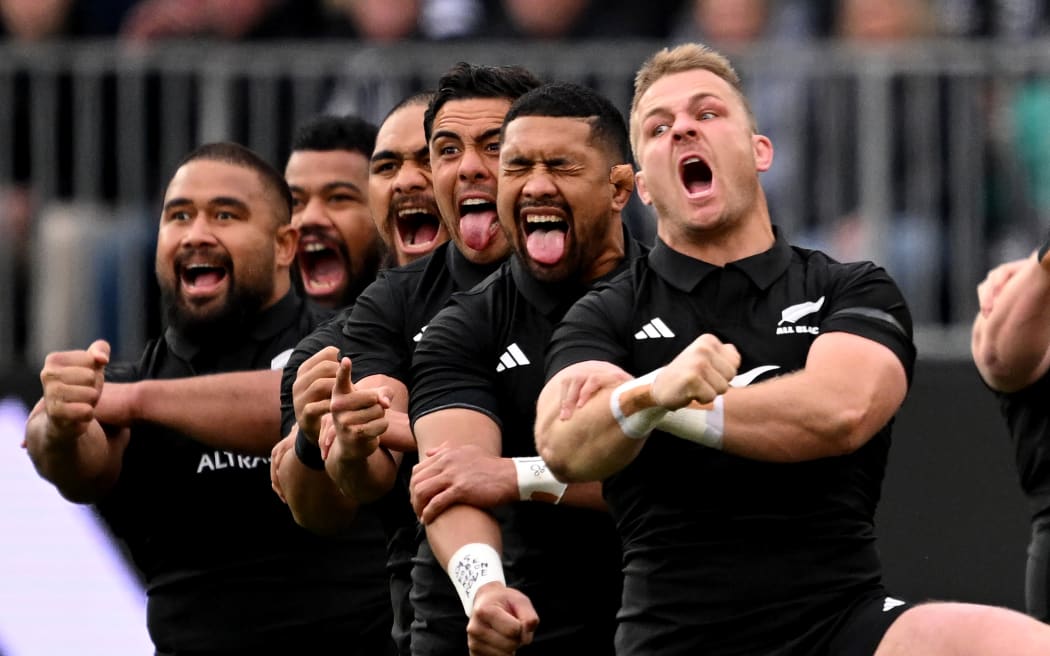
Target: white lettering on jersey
x=227, y=460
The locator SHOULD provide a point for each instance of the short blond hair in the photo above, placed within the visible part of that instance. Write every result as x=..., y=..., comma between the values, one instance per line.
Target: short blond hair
x=686, y=57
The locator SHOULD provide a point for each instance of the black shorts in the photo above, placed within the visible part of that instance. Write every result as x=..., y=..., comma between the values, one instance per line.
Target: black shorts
x=859, y=630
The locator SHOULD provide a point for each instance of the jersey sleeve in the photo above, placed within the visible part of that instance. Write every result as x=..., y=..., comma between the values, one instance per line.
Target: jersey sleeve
x=123, y=372
x=328, y=333
x=869, y=304
x=374, y=333
x=133, y=372
x=593, y=328
x=452, y=366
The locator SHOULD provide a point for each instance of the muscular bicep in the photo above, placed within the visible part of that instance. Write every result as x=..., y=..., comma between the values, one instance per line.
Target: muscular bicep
x=862, y=376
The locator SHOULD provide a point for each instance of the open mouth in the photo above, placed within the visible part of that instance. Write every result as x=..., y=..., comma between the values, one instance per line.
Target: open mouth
x=696, y=176
x=321, y=265
x=478, y=222
x=202, y=279
x=545, y=233
x=417, y=227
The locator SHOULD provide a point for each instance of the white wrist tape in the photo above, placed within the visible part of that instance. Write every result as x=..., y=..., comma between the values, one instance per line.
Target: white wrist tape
x=536, y=482
x=642, y=422
x=701, y=426
x=472, y=566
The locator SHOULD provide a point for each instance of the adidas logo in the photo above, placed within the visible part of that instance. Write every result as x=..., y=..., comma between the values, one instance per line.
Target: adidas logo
x=419, y=335
x=654, y=329
x=512, y=357
x=890, y=603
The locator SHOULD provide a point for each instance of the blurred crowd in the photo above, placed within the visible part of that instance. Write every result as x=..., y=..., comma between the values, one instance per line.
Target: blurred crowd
x=436, y=20
x=1016, y=155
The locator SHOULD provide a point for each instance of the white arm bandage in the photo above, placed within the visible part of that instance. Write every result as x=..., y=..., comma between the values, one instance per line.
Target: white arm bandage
x=472, y=566
x=638, y=423
x=701, y=426
x=536, y=482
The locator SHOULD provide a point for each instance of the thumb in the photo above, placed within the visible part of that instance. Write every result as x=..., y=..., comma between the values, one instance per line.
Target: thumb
x=384, y=397
x=100, y=350
x=734, y=356
x=342, y=378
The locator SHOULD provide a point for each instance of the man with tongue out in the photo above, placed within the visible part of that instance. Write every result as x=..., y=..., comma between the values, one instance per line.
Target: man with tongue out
x=520, y=546
x=227, y=570
x=350, y=412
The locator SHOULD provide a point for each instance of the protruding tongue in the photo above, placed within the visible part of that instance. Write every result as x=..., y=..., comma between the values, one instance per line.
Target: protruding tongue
x=546, y=246
x=478, y=228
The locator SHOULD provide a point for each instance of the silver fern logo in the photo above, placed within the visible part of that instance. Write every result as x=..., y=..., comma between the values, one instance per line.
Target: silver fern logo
x=793, y=313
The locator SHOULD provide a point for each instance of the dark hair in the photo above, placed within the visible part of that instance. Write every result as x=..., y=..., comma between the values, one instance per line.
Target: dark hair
x=238, y=155
x=420, y=98
x=565, y=99
x=465, y=81
x=336, y=133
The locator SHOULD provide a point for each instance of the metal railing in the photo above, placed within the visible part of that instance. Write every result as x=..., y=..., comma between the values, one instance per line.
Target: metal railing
x=914, y=156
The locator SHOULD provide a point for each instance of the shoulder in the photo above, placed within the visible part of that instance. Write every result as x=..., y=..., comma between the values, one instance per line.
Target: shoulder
x=327, y=333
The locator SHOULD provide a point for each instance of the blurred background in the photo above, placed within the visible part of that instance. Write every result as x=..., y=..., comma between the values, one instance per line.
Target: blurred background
x=910, y=132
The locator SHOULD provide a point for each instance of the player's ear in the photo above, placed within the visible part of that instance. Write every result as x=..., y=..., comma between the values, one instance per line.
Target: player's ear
x=285, y=243
x=643, y=192
x=622, y=178
x=763, y=150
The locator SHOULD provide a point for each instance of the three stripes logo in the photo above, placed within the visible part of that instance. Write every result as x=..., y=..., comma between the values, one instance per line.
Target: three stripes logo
x=418, y=336
x=512, y=357
x=655, y=329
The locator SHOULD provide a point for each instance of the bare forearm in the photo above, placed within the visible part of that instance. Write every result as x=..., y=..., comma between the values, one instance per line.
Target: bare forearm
x=365, y=480
x=82, y=468
x=589, y=445
x=1010, y=344
x=316, y=502
x=460, y=525
x=239, y=411
x=584, y=495
x=814, y=413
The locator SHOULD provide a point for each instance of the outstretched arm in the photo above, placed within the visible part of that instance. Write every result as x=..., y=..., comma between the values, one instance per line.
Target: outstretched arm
x=239, y=411
x=66, y=443
x=1011, y=333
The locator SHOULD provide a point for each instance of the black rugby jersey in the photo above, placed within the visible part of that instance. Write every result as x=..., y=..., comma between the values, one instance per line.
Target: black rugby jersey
x=226, y=567
x=485, y=352
x=379, y=336
x=390, y=316
x=393, y=511
x=724, y=554
x=1027, y=414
